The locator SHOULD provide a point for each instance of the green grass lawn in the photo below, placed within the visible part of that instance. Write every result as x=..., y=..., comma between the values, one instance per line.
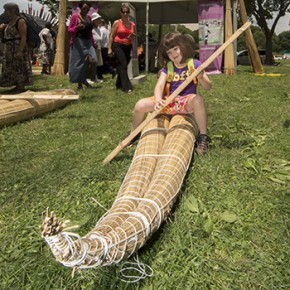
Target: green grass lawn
x=230, y=226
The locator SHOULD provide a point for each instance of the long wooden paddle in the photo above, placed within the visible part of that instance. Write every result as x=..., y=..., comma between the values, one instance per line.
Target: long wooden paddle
x=176, y=92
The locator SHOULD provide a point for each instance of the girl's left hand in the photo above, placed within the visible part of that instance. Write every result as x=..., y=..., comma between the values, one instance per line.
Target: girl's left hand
x=200, y=76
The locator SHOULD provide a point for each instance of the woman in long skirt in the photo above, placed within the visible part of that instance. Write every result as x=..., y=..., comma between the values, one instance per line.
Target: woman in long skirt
x=82, y=52
x=16, y=68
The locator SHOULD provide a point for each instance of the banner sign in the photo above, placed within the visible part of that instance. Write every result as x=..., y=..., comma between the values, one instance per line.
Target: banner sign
x=211, y=31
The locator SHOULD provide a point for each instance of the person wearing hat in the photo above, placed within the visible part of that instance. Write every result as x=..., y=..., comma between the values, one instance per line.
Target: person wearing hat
x=97, y=35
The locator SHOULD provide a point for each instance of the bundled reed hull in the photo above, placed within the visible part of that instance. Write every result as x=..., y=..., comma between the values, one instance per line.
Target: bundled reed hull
x=16, y=110
x=143, y=202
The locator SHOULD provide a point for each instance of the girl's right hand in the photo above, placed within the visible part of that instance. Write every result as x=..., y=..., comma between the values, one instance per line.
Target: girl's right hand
x=159, y=105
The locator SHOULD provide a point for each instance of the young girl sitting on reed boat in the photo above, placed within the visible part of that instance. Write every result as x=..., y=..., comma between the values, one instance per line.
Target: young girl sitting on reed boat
x=175, y=55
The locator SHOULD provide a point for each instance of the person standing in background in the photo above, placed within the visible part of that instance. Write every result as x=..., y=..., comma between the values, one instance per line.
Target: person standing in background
x=120, y=43
x=16, y=69
x=46, y=48
x=106, y=68
x=152, y=44
x=97, y=35
x=83, y=58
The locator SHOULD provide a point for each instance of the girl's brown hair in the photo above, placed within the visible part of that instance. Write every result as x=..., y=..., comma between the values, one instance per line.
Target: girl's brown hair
x=171, y=40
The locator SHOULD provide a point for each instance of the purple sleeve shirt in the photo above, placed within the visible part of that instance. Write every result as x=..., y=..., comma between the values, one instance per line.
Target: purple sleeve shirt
x=180, y=75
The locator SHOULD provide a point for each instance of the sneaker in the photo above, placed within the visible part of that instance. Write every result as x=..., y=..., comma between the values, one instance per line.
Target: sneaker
x=129, y=92
x=202, y=144
x=87, y=84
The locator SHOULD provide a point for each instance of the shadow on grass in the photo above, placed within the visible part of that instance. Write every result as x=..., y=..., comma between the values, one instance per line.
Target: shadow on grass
x=286, y=123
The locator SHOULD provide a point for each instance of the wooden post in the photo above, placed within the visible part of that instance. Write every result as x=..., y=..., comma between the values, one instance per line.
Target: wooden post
x=229, y=63
x=59, y=62
x=250, y=42
x=176, y=92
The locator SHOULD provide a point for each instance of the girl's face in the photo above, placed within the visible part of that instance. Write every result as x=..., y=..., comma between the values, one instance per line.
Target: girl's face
x=175, y=55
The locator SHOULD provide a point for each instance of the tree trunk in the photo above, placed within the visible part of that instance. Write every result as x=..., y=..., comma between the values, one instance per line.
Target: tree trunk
x=250, y=42
x=59, y=62
x=269, y=49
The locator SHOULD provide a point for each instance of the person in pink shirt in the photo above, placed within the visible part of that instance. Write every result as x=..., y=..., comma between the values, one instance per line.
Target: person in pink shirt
x=120, y=44
x=82, y=52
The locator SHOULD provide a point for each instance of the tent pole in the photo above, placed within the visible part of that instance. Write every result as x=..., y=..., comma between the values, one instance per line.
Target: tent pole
x=235, y=27
x=229, y=66
x=147, y=39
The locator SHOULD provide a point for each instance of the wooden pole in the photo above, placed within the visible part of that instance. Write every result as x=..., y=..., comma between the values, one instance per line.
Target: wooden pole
x=250, y=42
x=229, y=61
x=59, y=62
x=176, y=92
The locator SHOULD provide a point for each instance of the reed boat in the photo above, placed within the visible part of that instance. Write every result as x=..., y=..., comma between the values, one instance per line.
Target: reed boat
x=144, y=200
x=20, y=107
x=147, y=194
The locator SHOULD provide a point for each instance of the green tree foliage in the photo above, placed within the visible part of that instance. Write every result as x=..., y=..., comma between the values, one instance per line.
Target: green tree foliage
x=264, y=10
x=284, y=41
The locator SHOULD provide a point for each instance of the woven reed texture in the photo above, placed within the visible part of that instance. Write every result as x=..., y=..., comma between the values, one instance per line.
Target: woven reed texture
x=143, y=202
x=13, y=111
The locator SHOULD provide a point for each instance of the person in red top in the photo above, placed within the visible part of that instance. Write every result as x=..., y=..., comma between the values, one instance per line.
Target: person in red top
x=120, y=44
